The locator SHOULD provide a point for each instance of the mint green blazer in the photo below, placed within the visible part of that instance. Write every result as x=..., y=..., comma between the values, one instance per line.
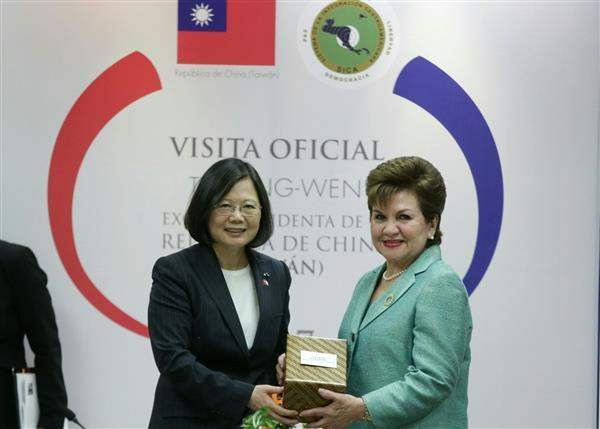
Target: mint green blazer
x=408, y=352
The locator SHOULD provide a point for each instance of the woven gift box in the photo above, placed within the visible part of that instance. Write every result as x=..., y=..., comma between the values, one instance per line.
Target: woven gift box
x=312, y=363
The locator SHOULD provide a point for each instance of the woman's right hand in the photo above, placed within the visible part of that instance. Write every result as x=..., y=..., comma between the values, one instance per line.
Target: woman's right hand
x=261, y=397
x=280, y=368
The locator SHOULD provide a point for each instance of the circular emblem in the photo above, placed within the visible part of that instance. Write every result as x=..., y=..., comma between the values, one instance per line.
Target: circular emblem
x=348, y=43
x=348, y=36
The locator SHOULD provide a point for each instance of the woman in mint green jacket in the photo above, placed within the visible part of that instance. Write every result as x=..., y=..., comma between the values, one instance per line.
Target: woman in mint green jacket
x=408, y=324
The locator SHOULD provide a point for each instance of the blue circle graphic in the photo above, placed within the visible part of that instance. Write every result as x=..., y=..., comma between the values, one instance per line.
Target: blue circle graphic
x=430, y=88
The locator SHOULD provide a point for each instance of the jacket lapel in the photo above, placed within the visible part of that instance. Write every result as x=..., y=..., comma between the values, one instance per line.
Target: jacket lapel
x=400, y=286
x=362, y=302
x=261, y=271
x=359, y=305
x=211, y=278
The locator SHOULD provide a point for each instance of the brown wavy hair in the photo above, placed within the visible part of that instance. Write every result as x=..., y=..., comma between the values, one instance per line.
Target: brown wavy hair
x=409, y=173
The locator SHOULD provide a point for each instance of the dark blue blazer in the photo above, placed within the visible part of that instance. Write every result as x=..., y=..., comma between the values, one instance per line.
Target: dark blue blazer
x=207, y=373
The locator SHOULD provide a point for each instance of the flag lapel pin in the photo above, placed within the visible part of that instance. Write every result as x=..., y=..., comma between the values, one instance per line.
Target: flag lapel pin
x=265, y=279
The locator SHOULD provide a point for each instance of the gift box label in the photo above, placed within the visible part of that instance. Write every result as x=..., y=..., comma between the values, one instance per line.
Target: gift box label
x=326, y=360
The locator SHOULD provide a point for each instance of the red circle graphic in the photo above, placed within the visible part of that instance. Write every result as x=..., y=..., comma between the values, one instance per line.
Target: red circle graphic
x=126, y=81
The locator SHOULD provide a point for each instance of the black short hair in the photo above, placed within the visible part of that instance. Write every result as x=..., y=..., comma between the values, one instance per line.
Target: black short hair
x=212, y=187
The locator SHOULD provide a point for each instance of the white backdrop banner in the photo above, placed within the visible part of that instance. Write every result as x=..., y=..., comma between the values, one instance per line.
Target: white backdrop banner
x=112, y=111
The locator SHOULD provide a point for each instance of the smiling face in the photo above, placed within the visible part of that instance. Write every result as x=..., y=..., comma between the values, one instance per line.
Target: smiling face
x=232, y=232
x=399, y=230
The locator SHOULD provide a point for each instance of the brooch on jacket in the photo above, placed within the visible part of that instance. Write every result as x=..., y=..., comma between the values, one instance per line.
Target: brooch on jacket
x=265, y=279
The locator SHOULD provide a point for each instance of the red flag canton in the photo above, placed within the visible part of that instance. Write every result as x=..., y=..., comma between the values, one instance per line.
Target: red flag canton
x=235, y=32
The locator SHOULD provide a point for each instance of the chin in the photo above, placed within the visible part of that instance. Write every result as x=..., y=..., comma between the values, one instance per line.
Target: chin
x=390, y=254
x=395, y=258
x=237, y=243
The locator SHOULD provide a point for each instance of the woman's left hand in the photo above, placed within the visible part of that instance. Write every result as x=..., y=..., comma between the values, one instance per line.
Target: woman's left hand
x=261, y=397
x=343, y=410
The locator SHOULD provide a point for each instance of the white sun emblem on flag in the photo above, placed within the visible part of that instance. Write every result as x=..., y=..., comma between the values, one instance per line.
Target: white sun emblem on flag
x=202, y=15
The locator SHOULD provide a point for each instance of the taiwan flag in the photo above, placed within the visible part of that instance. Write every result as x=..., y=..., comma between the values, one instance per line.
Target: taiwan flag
x=236, y=32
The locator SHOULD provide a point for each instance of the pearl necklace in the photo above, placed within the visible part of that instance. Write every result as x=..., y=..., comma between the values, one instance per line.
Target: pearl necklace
x=393, y=276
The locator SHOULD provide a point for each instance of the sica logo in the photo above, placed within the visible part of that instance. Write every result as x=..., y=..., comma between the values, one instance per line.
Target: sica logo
x=348, y=42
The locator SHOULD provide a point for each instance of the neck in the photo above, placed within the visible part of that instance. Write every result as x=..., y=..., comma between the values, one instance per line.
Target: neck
x=230, y=259
x=393, y=268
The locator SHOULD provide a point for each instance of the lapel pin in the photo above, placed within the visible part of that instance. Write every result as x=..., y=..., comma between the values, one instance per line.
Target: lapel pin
x=389, y=300
x=265, y=279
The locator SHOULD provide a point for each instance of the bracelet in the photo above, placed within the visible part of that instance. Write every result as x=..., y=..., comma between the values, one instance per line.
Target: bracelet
x=366, y=414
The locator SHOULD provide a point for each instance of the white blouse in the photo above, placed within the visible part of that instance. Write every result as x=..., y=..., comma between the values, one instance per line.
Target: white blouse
x=241, y=288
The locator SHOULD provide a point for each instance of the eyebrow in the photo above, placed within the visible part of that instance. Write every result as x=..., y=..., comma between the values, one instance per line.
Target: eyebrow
x=399, y=211
x=247, y=200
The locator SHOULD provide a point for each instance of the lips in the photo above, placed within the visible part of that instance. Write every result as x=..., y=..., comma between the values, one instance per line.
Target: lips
x=235, y=231
x=391, y=244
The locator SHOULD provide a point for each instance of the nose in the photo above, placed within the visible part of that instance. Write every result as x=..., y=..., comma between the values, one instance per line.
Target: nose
x=236, y=214
x=390, y=228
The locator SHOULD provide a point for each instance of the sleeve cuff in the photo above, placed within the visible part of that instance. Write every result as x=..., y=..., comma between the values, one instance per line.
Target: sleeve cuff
x=241, y=397
x=371, y=401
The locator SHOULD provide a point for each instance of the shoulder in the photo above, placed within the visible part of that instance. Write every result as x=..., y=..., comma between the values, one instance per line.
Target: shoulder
x=261, y=258
x=172, y=275
x=10, y=252
x=177, y=267
x=441, y=270
x=441, y=282
x=15, y=258
x=370, y=276
x=184, y=256
x=366, y=280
